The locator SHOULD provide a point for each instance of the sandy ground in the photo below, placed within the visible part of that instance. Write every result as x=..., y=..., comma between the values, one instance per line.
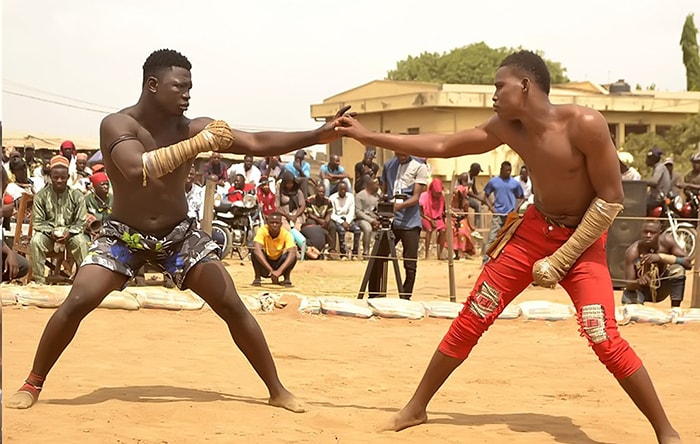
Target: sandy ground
x=153, y=376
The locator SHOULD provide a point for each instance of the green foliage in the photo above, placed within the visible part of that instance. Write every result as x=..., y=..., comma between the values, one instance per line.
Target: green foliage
x=680, y=142
x=471, y=64
x=691, y=54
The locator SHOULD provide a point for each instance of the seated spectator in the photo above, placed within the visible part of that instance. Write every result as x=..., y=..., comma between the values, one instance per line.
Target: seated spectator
x=290, y=199
x=365, y=168
x=432, y=213
x=33, y=163
x=266, y=197
x=654, y=268
x=98, y=202
x=291, y=204
x=272, y=168
x=216, y=168
x=365, y=211
x=195, y=197
x=22, y=183
x=319, y=230
x=240, y=188
x=79, y=179
x=14, y=266
x=274, y=252
x=60, y=215
x=332, y=174
x=344, y=218
x=250, y=172
x=13, y=154
x=301, y=171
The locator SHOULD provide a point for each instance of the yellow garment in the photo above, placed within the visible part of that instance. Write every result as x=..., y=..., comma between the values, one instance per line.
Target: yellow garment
x=274, y=247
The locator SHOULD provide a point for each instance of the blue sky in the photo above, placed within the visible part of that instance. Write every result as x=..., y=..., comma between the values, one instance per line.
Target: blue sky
x=260, y=65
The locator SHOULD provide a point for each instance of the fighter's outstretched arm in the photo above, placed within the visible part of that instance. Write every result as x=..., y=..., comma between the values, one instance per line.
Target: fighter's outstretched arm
x=273, y=143
x=472, y=141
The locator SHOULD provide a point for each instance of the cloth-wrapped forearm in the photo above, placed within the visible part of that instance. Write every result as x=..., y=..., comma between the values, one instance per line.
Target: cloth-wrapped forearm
x=214, y=137
x=668, y=259
x=551, y=269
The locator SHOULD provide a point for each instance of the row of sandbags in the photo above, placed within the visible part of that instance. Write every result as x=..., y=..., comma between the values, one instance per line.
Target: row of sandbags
x=529, y=310
x=131, y=298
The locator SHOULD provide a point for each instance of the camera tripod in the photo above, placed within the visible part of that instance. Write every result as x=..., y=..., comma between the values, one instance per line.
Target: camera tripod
x=377, y=268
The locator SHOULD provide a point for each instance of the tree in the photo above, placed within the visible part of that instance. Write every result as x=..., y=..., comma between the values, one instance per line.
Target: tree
x=471, y=64
x=680, y=142
x=691, y=54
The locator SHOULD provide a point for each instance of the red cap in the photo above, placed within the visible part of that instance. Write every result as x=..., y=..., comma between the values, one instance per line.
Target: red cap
x=98, y=178
x=67, y=144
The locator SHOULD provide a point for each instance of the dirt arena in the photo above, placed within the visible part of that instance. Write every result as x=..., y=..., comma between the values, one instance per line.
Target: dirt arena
x=152, y=376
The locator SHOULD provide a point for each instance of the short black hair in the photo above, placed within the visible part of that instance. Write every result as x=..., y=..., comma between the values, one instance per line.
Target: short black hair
x=506, y=163
x=530, y=63
x=163, y=59
x=275, y=214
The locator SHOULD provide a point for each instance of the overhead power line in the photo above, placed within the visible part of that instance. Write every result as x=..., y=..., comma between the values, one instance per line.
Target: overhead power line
x=55, y=102
x=42, y=91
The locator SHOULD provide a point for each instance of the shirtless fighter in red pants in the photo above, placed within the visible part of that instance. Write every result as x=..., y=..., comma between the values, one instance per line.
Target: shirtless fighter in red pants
x=561, y=239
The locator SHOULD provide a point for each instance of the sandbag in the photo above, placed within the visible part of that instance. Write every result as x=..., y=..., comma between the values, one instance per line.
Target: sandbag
x=43, y=296
x=8, y=297
x=685, y=316
x=396, y=308
x=442, y=309
x=512, y=311
x=621, y=317
x=164, y=298
x=641, y=314
x=545, y=311
x=120, y=300
x=251, y=302
x=309, y=305
x=345, y=307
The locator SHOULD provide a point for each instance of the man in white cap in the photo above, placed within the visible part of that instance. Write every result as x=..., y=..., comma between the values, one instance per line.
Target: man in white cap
x=628, y=171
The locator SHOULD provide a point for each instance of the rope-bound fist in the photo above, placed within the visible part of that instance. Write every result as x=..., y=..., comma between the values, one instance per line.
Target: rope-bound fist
x=218, y=134
x=546, y=272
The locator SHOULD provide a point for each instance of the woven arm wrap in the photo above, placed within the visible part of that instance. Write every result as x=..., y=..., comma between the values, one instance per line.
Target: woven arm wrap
x=550, y=270
x=214, y=137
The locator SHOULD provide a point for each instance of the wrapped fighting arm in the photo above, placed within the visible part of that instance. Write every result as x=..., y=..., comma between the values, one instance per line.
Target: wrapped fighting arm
x=551, y=269
x=214, y=137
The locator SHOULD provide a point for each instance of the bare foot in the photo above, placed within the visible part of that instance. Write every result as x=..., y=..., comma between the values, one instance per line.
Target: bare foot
x=403, y=420
x=289, y=402
x=20, y=400
x=673, y=438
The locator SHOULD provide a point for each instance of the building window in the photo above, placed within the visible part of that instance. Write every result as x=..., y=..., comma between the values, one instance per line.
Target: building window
x=413, y=130
x=336, y=148
x=636, y=129
x=661, y=130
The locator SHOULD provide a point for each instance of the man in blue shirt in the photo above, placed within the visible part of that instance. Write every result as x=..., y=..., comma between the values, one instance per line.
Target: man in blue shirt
x=301, y=170
x=332, y=174
x=404, y=175
x=507, y=196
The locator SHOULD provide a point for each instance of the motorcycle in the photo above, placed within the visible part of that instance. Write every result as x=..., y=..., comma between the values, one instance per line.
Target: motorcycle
x=235, y=223
x=670, y=211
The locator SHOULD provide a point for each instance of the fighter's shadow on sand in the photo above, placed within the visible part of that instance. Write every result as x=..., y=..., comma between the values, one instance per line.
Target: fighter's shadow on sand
x=561, y=428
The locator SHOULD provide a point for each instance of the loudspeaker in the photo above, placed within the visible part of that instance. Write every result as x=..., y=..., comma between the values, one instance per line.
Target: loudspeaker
x=623, y=232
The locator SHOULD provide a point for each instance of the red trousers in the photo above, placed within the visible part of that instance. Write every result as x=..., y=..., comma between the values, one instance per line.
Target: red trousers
x=588, y=284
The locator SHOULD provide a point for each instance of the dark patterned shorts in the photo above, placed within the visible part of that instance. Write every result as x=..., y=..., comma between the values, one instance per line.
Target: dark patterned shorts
x=124, y=250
